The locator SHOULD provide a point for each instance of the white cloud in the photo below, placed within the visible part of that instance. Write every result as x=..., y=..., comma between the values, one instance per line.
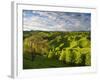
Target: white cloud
x=51, y=21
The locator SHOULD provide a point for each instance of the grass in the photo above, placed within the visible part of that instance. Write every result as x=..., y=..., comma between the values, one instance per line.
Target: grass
x=42, y=62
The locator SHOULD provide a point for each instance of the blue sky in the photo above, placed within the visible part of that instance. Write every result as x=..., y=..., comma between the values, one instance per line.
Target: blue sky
x=56, y=21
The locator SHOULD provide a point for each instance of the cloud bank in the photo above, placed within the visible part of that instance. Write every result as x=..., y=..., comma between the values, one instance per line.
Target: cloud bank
x=56, y=21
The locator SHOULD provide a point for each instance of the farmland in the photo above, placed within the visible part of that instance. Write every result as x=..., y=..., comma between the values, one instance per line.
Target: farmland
x=50, y=49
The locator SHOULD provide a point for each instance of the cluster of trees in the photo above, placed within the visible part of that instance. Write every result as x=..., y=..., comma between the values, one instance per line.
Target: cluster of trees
x=68, y=47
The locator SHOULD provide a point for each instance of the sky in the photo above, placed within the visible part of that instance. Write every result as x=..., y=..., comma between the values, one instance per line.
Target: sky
x=56, y=21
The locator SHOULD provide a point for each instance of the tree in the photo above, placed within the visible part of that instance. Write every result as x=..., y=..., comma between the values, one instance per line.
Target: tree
x=35, y=45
